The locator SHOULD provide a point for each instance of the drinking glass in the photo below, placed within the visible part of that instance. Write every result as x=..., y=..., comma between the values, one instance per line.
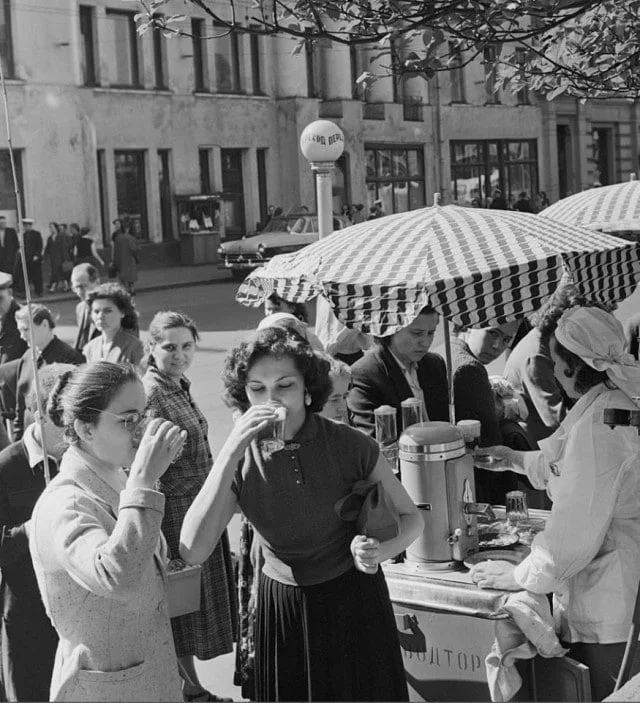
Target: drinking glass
x=516, y=505
x=272, y=438
x=413, y=412
x=387, y=434
x=139, y=429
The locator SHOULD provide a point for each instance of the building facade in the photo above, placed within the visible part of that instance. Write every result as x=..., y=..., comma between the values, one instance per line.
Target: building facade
x=107, y=123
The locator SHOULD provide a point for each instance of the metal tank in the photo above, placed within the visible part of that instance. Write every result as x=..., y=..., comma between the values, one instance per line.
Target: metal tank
x=437, y=473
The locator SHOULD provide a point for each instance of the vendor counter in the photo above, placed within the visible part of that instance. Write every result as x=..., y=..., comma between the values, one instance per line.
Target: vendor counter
x=447, y=627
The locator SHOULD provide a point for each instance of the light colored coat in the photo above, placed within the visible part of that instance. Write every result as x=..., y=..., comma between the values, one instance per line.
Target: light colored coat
x=100, y=563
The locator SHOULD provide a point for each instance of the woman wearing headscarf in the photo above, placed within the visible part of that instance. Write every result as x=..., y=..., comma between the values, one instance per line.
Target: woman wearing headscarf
x=588, y=555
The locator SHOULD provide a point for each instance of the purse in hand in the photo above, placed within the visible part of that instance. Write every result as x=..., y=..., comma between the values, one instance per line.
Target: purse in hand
x=371, y=508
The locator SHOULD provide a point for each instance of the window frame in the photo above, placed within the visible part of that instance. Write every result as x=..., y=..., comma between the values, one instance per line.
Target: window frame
x=160, y=63
x=456, y=76
x=234, y=60
x=135, y=67
x=7, y=56
x=394, y=179
x=87, y=19
x=200, y=69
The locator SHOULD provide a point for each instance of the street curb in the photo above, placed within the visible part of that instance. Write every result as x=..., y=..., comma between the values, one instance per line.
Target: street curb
x=64, y=297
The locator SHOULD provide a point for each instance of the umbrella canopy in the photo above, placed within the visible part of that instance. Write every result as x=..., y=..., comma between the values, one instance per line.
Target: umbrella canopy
x=613, y=208
x=475, y=266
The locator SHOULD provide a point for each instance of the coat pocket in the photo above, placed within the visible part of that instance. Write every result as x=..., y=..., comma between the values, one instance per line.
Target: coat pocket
x=123, y=685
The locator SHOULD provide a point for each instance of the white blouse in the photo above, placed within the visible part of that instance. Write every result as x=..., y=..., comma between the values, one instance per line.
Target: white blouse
x=589, y=552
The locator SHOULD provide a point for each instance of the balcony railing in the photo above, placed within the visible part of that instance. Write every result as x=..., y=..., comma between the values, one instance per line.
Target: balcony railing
x=373, y=111
x=412, y=108
x=330, y=108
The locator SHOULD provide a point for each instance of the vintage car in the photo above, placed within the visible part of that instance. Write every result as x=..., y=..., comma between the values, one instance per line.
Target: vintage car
x=282, y=235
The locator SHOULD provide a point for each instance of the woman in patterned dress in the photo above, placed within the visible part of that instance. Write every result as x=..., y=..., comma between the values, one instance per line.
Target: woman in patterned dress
x=210, y=631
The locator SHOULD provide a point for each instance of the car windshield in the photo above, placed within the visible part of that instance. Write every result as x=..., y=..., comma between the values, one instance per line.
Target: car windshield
x=296, y=224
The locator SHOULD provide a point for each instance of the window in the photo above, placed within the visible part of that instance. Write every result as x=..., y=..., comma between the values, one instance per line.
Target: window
x=456, y=74
x=159, y=61
x=227, y=60
x=312, y=71
x=480, y=166
x=164, y=188
x=200, y=72
x=6, y=43
x=87, y=45
x=523, y=94
x=7, y=190
x=102, y=193
x=395, y=175
x=122, y=54
x=262, y=184
x=204, y=160
x=131, y=190
x=256, y=73
x=233, y=187
x=490, y=59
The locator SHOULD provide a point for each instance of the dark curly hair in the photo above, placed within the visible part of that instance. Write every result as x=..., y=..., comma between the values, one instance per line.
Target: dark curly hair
x=115, y=292
x=84, y=392
x=568, y=296
x=275, y=342
x=586, y=377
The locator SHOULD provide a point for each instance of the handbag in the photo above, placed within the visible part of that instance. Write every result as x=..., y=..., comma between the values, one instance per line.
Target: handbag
x=371, y=508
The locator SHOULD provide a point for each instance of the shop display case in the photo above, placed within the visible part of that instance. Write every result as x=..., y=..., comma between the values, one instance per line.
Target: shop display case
x=201, y=227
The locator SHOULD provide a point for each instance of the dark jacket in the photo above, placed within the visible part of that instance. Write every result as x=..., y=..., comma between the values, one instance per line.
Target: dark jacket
x=86, y=329
x=125, y=257
x=9, y=250
x=632, y=334
x=12, y=346
x=33, y=246
x=57, y=251
x=56, y=351
x=27, y=639
x=378, y=380
x=474, y=400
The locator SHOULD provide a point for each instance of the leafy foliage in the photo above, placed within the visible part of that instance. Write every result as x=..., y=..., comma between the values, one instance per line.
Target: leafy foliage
x=581, y=48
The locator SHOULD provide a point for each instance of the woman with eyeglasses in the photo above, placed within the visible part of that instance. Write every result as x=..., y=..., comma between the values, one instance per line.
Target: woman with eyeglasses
x=96, y=542
x=208, y=632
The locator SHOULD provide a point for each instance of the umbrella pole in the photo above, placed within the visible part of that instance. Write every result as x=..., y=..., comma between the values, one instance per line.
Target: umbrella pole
x=447, y=352
x=25, y=276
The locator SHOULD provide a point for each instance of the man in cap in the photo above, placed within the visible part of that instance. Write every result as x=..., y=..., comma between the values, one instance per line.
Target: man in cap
x=12, y=346
x=84, y=278
x=33, y=256
x=9, y=246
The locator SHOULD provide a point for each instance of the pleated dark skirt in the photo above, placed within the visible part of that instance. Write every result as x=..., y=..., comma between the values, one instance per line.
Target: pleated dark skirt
x=336, y=641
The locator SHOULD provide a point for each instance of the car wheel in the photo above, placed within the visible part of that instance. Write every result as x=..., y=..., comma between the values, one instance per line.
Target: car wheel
x=238, y=275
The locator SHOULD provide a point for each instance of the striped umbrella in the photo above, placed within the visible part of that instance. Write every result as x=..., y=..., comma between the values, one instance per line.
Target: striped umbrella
x=613, y=208
x=475, y=266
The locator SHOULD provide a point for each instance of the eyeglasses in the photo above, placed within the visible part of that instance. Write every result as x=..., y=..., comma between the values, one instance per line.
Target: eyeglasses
x=131, y=420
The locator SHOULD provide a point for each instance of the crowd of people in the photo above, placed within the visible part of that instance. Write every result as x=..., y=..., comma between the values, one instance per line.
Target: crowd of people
x=135, y=483
x=65, y=246
x=523, y=203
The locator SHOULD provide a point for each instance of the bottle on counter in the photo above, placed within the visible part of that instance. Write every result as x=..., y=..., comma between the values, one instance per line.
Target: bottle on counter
x=387, y=434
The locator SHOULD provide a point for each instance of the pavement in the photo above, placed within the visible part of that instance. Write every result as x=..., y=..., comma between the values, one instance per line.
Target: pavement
x=159, y=279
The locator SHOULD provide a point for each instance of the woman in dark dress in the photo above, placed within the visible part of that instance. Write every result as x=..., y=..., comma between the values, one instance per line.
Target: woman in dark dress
x=85, y=251
x=209, y=632
x=325, y=625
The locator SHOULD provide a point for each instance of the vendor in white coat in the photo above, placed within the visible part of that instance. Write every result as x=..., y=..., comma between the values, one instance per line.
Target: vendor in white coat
x=96, y=544
x=589, y=552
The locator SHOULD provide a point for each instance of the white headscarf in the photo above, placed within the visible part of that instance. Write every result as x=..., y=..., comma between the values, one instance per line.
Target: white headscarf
x=597, y=337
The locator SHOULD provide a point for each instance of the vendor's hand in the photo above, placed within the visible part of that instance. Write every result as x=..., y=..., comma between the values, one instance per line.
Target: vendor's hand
x=366, y=553
x=495, y=574
x=248, y=425
x=498, y=458
x=161, y=442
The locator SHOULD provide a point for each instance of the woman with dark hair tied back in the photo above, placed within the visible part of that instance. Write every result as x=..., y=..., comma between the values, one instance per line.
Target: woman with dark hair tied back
x=208, y=632
x=116, y=318
x=325, y=625
x=96, y=543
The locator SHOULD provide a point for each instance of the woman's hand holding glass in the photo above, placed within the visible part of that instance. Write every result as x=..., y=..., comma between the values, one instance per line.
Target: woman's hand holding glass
x=248, y=426
x=161, y=442
x=366, y=553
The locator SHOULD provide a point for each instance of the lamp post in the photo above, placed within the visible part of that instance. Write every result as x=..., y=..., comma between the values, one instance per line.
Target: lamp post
x=322, y=143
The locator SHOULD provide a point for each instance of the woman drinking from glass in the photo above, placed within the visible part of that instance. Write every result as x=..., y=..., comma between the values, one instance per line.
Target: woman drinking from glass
x=96, y=544
x=325, y=626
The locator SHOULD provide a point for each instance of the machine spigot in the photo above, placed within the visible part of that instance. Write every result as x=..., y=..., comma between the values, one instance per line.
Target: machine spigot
x=483, y=509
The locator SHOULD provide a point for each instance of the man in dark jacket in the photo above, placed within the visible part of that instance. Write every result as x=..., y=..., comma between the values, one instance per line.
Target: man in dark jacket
x=12, y=346
x=49, y=350
x=84, y=278
x=498, y=201
x=400, y=367
x=27, y=638
x=33, y=256
x=9, y=246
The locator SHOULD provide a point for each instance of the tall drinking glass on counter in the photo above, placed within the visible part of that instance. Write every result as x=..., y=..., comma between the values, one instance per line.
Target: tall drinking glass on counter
x=413, y=412
x=387, y=434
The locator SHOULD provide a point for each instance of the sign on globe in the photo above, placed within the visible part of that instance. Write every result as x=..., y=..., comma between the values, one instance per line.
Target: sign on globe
x=322, y=140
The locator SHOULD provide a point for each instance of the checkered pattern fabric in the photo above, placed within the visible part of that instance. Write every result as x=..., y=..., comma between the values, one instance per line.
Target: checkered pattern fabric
x=475, y=266
x=613, y=208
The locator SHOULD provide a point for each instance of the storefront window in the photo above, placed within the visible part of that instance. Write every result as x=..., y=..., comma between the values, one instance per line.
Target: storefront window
x=479, y=167
x=395, y=175
x=233, y=187
x=131, y=191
